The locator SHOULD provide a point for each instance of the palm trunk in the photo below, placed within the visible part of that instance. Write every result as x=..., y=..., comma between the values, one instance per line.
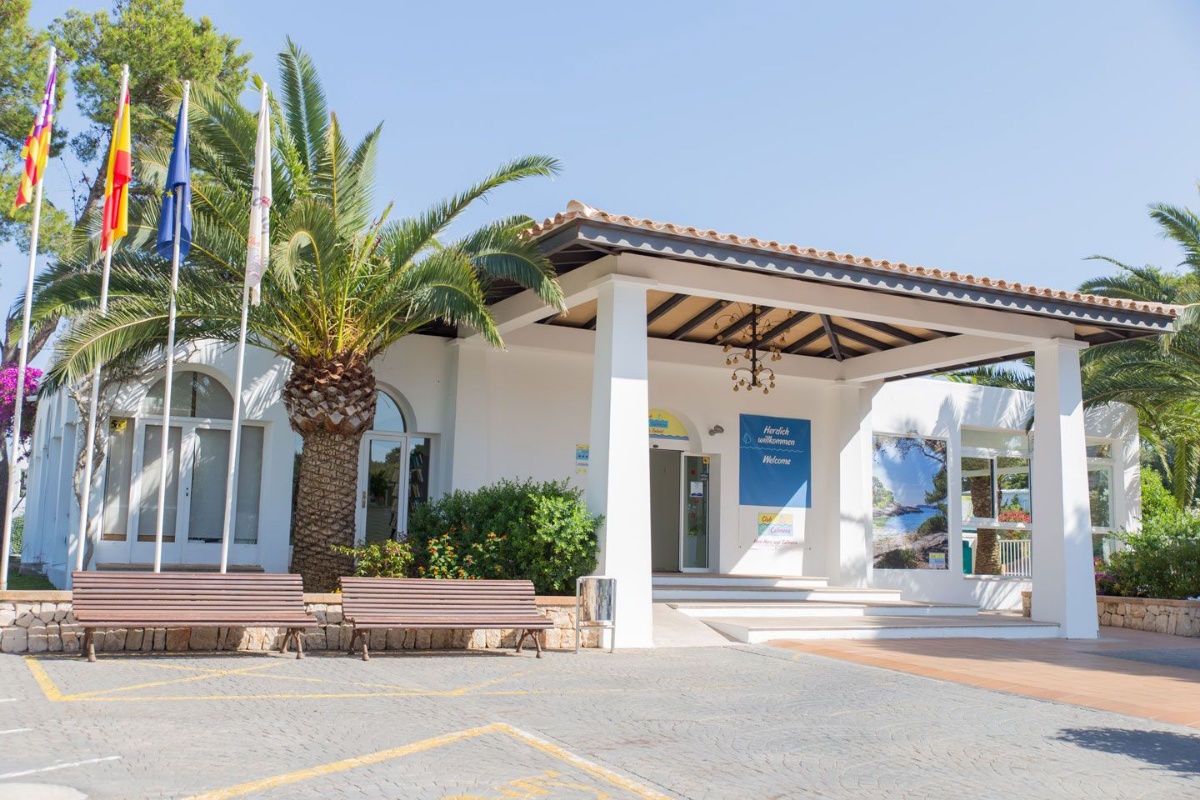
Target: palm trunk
x=325, y=508
x=330, y=403
x=987, y=540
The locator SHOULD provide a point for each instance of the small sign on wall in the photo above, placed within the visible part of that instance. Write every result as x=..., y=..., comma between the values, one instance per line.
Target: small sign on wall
x=583, y=453
x=776, y=526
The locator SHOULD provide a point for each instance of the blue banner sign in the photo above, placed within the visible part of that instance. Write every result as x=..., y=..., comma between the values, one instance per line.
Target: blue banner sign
x=776, y=462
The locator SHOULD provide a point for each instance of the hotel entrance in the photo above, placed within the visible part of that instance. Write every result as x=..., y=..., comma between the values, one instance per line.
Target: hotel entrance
x=680, y=511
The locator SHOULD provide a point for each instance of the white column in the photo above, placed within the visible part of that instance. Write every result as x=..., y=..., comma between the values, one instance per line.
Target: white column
x=1063, y=576
x=467, y=445
x=618, y=482
x=849, y=563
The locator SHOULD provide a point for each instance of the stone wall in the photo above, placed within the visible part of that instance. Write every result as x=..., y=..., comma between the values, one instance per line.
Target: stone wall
x=1176, y=617
x=41, y=622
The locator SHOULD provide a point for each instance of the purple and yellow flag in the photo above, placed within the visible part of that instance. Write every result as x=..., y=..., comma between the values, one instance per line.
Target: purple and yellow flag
x=37, y=146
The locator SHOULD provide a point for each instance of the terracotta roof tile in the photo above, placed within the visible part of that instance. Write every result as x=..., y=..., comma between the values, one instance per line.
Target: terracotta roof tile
x=577, y=210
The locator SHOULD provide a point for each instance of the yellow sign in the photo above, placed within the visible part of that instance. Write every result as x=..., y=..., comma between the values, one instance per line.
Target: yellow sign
x=665, y=425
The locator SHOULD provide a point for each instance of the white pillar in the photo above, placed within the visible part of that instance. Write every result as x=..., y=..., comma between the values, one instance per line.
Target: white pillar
x=849, y=563
x=1064, y=588
x=618, y=481
x=467, y=445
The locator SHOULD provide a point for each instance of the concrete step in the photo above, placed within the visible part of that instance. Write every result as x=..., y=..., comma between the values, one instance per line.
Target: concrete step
x=706, y=591
x=713, y=579
x=820, y=608
x=753, y=630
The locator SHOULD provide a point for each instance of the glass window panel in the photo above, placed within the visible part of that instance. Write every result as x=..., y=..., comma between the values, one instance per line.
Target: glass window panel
x=418, y=471
x=1012, y=478
x=977, y=481
x=148, y=502
x=1099, y=450
x=193, y=394
x=249, y=490
x=1001, y=441
x=383, y=489
x=1100, y=496
x=118, y=472
x=210, y=399
x=210, y=470
x=695, y=540
x=210, y=467
x=387, y=414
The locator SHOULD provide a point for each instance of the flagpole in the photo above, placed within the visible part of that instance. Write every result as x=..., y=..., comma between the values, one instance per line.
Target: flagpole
x=13, y=482
x=86, y=490
x=170, y=354
x=235, y=432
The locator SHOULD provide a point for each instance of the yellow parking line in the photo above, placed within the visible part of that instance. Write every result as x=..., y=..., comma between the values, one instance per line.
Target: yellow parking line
x=548, y=748
x=276, y=781
x=153, y=684
x=43, y=680
x=595, y=770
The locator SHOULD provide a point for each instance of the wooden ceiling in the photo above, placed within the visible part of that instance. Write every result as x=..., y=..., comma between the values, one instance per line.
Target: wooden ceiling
x=703, y=320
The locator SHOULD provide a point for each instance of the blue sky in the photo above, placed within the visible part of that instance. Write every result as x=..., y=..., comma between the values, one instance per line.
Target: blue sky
x=1007, y=139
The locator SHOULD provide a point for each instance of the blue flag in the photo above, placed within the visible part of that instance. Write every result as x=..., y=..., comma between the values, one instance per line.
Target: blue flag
x=178, y=175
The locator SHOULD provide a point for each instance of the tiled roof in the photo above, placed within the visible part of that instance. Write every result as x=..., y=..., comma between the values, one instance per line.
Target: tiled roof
x=580, y=211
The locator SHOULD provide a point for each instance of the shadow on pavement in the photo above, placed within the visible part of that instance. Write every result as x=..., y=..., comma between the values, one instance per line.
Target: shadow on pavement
x=1178, y=752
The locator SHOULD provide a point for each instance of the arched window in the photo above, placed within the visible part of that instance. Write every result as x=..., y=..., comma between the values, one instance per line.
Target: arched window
x=193, y=394
x=388, y=416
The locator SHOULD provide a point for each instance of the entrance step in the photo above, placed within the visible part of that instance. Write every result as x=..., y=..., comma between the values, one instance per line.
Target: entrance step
x=756, y=630
x=714, y=579
x=697, y=591
x=821, y=608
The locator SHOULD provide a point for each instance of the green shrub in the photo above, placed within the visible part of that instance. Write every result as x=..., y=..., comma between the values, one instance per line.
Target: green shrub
x=540, y=532
x=386, y=559
x=18, y=533
x=1162, y=561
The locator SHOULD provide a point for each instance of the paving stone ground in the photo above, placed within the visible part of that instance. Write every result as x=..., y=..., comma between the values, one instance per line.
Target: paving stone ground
x=736, y=722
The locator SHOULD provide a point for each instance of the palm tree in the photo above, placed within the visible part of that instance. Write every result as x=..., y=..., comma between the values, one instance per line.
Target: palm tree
x=1160, y=377
x=344, y=284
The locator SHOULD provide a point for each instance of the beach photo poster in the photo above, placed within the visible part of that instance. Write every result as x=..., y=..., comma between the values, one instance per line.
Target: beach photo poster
x=909, y=495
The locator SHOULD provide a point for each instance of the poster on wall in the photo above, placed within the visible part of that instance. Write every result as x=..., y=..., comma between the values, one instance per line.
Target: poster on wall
x=775, y=462
x=583, y=454
x=909, y=494
x=776, y=531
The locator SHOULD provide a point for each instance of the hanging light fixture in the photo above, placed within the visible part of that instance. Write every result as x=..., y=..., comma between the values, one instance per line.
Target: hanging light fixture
x=746, y=350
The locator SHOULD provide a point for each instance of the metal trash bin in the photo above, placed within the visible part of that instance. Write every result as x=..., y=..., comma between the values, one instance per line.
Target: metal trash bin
x=596, y=606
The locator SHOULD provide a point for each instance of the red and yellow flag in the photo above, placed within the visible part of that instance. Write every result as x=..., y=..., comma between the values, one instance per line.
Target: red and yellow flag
x=116, y=182
x=37, y=146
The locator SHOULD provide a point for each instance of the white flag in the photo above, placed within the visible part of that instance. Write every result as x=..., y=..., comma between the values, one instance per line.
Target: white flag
x=258, y=242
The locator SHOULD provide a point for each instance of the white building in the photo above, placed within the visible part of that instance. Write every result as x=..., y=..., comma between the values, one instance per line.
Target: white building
x=629, y=394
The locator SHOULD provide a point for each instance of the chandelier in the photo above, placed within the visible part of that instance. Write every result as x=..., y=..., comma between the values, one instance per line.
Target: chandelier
x=745, y=339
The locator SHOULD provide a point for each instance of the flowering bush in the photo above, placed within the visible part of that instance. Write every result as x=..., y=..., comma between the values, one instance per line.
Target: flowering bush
x=1105, y=583
x=1017, y=515
x=452, y=556
x=540, y=532
x=8, y=398
x=386, y=559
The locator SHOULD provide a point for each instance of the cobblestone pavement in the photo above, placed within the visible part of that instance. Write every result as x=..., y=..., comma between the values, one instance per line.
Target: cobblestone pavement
x=736, y=722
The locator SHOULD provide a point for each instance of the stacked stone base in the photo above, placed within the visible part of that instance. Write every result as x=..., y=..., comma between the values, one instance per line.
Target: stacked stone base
x=41, y=622
x=1176, y=617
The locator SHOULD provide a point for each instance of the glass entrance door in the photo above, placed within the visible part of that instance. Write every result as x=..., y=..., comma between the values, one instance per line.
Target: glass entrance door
x=696, y=490
x=194, y=511
x=382, y=487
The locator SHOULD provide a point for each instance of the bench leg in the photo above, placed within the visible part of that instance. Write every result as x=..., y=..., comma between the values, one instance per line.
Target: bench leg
x=363, y=637
x=88, y=650
x=299, y=634
x=521, y=640
x=287, y=642
x=537, y=640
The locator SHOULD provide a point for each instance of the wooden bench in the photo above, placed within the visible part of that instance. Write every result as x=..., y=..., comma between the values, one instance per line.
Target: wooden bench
x=425, y=603
x=188, y=599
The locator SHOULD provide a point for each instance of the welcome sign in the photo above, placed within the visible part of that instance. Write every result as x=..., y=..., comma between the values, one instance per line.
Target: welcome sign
x=776, y=462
